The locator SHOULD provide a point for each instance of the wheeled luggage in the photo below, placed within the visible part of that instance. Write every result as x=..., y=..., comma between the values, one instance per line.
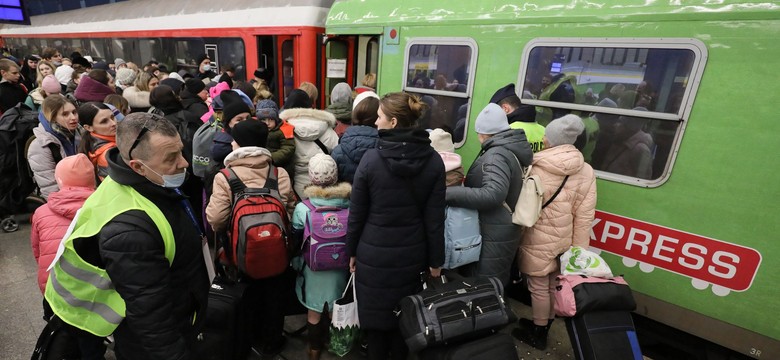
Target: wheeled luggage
x=225, y=334
x=494, y=347
x=453, y=311
x=599, y=335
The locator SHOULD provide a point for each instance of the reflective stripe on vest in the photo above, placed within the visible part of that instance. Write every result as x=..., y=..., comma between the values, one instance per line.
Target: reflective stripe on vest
x=82, y=294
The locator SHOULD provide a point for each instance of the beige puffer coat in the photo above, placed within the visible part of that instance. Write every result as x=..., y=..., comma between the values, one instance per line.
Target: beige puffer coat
x=251, y=166
x=567, y=220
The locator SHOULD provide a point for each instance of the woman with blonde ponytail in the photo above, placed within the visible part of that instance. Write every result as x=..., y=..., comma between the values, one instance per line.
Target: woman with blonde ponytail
x=396, y=219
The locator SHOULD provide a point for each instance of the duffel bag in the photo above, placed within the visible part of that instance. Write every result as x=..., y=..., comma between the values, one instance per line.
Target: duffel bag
x=453, y=311
x=576, y=294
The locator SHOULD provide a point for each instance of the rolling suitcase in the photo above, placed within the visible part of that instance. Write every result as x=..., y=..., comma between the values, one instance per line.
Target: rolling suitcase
x=494, y=347
x=225, y=334
x=599, y=335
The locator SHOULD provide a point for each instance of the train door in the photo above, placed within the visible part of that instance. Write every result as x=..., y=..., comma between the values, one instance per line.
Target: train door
x=286, y=62
x=266, y=60
x=350, y=59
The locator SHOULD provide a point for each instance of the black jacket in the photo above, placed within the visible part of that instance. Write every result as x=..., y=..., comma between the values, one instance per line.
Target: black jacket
x=160, y=298
x=193, y=103
x=495, y=179
x=10, y=95
x=391, y=234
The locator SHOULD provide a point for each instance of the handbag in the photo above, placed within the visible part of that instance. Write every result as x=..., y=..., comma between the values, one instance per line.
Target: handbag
x=579, y=261
x=345, y=324
x=577, y=294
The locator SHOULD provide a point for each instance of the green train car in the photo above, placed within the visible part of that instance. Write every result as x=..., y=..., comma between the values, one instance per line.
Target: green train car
x=678, y=97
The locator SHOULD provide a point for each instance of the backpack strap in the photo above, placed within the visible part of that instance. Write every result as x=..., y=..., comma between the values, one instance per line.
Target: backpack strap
x=55, y=152
x=236, y=185
x=556, y=192
x=322, y=146
x=272, y=180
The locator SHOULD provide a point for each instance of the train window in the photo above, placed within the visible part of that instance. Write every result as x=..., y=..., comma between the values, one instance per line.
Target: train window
x=231, y=52
x=441, y=71
x=633, y=94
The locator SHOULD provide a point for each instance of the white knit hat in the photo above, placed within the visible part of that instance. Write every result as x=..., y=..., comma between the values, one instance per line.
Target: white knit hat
x=323, y=170
x=63, y=74
x=441, y=141
x=360, y=97
x=564, y=130
x=125, y=76
x=491, y=120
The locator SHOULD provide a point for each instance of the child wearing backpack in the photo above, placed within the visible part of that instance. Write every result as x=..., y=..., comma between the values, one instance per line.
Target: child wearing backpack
x=441, y=141
x=323, y=217
x=250, y=161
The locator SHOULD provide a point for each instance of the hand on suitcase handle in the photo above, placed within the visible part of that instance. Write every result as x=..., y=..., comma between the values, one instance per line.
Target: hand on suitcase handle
x=435, y=272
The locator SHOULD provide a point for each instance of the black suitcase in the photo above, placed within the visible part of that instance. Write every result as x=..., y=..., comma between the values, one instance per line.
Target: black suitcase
x=452, y=312
x=599, y=335
x=494, y=347
x=225, y=334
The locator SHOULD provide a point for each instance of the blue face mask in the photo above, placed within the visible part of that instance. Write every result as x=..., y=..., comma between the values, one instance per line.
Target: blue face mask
x=170, y=181
x=207, y=68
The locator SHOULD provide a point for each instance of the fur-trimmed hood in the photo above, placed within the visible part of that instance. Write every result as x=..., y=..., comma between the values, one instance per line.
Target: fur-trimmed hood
x=136, y=98
x=341, y=190
x=309, y=124
x=235, y=156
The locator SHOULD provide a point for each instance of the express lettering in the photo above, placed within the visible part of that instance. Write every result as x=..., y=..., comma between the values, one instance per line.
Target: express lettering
x=663, y=250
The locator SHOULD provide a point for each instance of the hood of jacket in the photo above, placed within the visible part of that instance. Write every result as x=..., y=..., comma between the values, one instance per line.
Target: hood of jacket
x=37, y=96
x=405, y=151
x=342, y=111
x=339, y=191
x=188, y=99
x=92, y=90
x=513, y=140
x=310, y=124
x=136, y=98
x=560, y=160
x=67, y=202
x=355, y=139
x=249, y=156
x=123, y=174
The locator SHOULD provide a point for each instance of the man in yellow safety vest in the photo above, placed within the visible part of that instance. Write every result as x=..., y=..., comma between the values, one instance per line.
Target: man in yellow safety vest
x=132, y=263
x=520, y=116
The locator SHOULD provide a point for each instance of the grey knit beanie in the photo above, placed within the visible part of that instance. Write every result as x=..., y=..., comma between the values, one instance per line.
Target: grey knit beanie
x=564, y=130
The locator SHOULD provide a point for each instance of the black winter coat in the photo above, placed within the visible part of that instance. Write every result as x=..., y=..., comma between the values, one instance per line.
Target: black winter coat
x=493, y=182
x=193, y=103
x=353, y=144
x=392, y=236
x=161, y=299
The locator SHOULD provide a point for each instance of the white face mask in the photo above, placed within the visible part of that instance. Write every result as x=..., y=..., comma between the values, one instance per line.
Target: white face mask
x=170, y=181
x=207, y=68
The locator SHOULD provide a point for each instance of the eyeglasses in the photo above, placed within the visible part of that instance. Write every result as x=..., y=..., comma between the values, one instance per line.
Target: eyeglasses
x=141, y=134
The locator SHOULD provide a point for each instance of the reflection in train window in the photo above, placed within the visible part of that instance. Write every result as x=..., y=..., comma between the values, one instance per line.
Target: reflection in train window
x=634, y=96
x=287, y=67
x=440, y=71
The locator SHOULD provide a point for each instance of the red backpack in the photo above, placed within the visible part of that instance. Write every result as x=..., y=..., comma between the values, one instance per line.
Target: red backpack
x=258, y=227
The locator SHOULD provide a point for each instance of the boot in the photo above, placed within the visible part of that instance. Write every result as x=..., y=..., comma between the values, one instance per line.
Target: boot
x=316, y=337
x=532, y=334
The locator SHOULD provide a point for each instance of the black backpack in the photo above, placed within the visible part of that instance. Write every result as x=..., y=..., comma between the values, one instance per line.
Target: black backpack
x=16, y=181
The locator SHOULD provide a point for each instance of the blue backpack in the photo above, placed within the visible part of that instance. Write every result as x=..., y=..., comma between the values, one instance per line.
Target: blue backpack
x=462, y=240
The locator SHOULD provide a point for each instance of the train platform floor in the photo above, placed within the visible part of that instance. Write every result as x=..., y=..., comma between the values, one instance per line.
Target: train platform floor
x=21, y=311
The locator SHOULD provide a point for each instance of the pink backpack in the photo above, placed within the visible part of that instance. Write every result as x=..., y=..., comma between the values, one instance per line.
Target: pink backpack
x=576, y=294
x=325, y=238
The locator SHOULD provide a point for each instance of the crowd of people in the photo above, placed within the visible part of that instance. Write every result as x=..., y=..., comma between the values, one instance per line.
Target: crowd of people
x=113, y=156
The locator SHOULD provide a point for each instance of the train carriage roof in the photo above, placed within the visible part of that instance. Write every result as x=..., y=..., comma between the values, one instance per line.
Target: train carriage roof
x=348, y=13
x=140, y=15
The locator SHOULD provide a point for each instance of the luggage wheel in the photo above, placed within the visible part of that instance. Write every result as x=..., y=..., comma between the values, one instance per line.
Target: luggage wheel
x=9, y=225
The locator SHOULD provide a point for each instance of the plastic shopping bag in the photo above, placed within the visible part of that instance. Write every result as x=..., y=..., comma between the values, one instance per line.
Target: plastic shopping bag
x=579, y=261
x=345, y=325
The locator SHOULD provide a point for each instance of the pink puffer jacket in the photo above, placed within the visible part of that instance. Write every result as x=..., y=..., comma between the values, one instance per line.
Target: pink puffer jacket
x=49, y=224
x=567, y=220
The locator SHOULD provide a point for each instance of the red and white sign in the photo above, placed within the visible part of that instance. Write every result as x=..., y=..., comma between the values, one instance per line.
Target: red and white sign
x=705, y=259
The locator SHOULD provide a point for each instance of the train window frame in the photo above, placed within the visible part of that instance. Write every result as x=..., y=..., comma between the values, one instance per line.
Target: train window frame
x=696, y=46
x=472, y=66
